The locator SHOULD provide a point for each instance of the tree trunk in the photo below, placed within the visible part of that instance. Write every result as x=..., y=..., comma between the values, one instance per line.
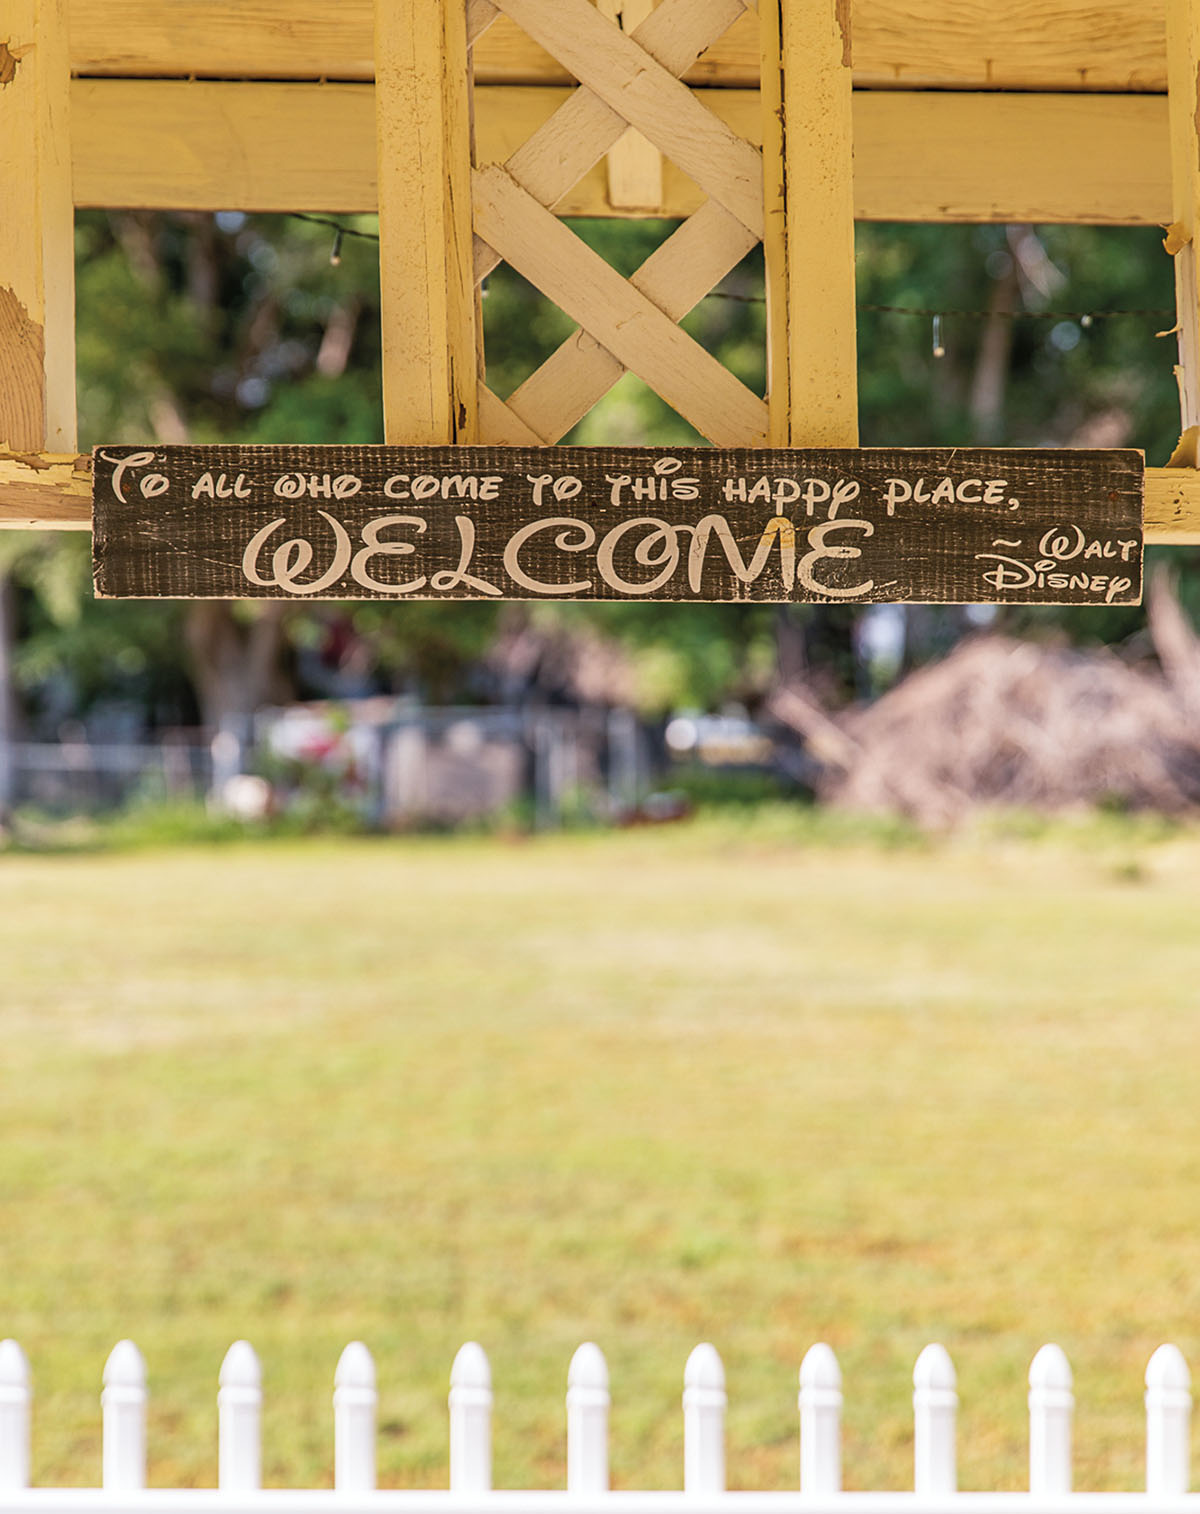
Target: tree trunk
x=235, y=663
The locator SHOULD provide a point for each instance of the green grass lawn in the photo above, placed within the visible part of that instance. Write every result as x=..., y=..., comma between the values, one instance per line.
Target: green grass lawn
x=647, y=1088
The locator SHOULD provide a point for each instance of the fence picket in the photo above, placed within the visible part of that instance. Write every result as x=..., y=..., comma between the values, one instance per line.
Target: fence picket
x=16, y=1400
x=354, y=1400
x=123, y=1402
x=470, y=1421
x=239, y=1412
x=587, y=1421
x=704, y=1422
x=935, y=1406
x=1168, y=1406
x=1051, y=1403
x=1168, y=1422
x=820, y=1421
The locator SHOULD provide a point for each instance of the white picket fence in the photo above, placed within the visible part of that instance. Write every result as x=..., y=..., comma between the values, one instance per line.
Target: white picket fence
x=935, y=1404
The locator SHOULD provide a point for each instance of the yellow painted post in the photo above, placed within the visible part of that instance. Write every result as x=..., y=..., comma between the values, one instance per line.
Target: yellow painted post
x=1183, y=87
x=809, y=242
x=37, y=251
x=427, y=289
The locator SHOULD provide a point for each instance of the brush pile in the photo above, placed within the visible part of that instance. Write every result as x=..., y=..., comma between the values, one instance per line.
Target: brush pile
x=1001, y=722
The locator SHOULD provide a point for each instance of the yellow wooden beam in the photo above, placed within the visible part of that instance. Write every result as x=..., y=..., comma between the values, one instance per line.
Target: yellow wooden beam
x=47, y=490
x=770, y=129
x=809, y=196
x=426, y=282
x=1183, y=62
x=1172, y=516
x=166, y=144
x=37, y=276
x=1102, y=45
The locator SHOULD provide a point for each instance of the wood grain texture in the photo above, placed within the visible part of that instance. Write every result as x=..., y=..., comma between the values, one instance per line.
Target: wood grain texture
x=550, y=160
x=1102, y=159
x=775, y=229
x=810, y=267
x=962, y=44
x=675, y=277
x=648, y=96
x=1173, y=507
x=941, y=525
x=45, y=491
x=634, y=165
x=1183, y=73
x=48, y=491
x=427, y=289
x=37, y=273
x=617, y=314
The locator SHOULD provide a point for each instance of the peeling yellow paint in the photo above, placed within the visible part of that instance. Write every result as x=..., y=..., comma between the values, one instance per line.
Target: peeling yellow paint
x=1196, y=117
x=843, y=21
x=1177, y=238
x=1184, y=455
x=9, y=58
x=22, y=380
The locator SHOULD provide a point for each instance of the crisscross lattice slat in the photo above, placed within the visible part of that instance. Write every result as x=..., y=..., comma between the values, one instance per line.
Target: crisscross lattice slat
x=675, y=277
x=625, y=81
x=647, y=95
x=635, y=330
x=583, y=128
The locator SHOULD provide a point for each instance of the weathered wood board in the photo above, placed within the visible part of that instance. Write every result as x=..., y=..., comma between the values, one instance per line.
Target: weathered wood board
x=823, y=525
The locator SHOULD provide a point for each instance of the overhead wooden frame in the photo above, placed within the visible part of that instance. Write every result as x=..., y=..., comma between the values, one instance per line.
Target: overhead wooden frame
x=276, y=106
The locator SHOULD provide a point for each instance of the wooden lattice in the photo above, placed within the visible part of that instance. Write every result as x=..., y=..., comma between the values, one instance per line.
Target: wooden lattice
x=961, y=111
x=626, y=80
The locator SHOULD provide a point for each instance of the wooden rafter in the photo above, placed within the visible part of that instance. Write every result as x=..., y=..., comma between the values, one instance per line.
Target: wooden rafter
x=427, y=293
x=1102, y=45
x=37, y=274
x=55, y=491
x=918, y=156
x=1183, y=39
x=812, y=363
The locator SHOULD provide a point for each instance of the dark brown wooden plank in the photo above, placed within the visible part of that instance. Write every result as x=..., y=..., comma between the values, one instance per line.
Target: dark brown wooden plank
x=866, y=525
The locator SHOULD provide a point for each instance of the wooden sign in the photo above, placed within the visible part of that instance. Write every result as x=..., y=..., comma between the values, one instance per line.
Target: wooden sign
x=594, y=523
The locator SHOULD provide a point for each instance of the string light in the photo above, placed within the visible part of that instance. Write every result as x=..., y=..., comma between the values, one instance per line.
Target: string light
x=1086, y=318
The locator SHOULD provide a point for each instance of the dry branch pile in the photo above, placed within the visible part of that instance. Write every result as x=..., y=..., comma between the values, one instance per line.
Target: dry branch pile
x=1001, y=722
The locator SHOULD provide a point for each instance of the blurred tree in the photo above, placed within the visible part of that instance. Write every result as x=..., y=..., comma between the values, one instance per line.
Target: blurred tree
x=206, y=327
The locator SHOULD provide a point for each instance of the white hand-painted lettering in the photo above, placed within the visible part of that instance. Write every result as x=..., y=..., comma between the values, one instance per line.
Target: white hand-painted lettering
x=945, y=491
x=446, y=579
x=822, y=551
x=150, y=485
x=208, y=487
x=291, y=558
x=778, y=528
x=373, y=547
x=563, y=541
x=317, y=486
x=566, y=486
x=661, y=536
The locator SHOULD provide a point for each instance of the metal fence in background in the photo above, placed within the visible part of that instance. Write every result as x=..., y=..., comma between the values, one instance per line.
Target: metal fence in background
x=83, y=777
x=401, y=767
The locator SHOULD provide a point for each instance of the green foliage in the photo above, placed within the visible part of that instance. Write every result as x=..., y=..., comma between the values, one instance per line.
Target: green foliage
x=239, y=329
